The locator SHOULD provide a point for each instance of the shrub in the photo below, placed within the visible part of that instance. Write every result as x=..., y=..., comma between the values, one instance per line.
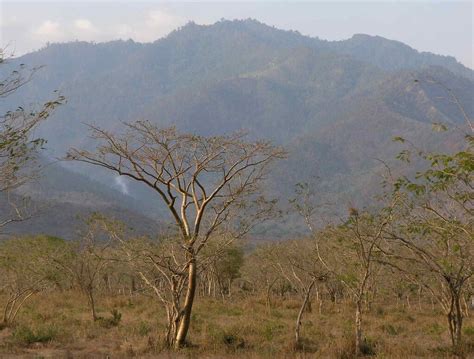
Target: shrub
x=143, y=328
x=26, y=335
x=233, y=341
x=468, y=331
x=435, y=329
x=368, y=347
x=380, y=311
x=112, y=321
x=391, y=330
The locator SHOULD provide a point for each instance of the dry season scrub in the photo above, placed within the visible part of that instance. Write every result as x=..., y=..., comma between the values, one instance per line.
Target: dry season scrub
x=59, y=326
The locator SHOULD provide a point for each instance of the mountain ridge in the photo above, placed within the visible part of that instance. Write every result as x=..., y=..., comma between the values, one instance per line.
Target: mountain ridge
x=335, y=105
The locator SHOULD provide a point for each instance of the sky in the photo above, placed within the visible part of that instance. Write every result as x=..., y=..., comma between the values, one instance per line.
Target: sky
x=443, y=27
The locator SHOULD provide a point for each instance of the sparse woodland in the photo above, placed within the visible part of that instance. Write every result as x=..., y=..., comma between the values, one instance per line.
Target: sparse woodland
x=393, y=280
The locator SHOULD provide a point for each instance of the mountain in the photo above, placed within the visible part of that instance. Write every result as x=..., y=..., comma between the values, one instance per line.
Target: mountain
x=394, y=55
x=334, y=105
x=58, y=202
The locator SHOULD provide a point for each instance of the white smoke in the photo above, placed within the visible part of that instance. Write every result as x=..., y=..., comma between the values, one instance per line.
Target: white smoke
x=122, y=185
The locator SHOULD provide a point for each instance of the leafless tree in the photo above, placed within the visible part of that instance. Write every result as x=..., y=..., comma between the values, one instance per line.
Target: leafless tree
x=259, y=272
x=85, y=260
x=298, y=264
x=26, y=269
x=210, y=185
x=350, y=252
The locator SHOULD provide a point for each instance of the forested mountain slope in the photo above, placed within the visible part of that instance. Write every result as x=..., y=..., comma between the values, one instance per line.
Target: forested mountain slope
x=334, y=105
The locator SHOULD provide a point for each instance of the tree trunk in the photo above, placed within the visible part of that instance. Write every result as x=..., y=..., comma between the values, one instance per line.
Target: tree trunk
x=455, y=318
x=188, y=305
x=90, y=298
x=358, y=327
x=300, y=313
x=269, y=293
x=466, y=307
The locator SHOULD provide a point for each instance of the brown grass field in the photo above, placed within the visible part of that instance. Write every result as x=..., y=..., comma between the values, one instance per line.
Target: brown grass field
x=53, y=325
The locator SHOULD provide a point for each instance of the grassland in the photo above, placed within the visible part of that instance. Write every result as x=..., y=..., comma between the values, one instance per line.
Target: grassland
x=59, y=326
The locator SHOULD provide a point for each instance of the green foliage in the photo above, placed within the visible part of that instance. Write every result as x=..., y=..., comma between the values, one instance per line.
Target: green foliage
x=468, y=330
x=113, y=321
x=368, y=347
x=35, y=255
x=435, y=329
x=26, y=335
x=18, y=146
x=143, y=328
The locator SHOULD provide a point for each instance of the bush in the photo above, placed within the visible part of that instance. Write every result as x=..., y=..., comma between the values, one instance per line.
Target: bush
x=368, y=347
x=143, y=328
x=346, y=347
x=233, y=341
x=26, y=335
x=468, y=331
x=435, y=329
x=112, y=321
x=391, y=330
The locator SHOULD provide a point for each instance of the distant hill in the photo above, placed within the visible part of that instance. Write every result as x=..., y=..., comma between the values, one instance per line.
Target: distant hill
x=59, y=202
x=334, y=105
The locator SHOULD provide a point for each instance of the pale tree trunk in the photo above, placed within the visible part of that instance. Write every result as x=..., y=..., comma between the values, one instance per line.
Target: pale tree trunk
x=466, y=307
x=358, y=327
x=173, y=321
x=188, y=305
x=268, y=301
x=13, y=307
x=307, y=295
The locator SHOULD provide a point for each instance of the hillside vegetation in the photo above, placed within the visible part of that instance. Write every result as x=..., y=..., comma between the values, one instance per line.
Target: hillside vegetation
x=335, y=106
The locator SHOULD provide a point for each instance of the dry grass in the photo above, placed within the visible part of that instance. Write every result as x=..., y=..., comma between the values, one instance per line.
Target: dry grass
x=58, y=326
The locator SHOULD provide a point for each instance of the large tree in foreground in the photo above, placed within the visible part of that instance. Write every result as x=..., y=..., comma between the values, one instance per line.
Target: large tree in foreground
x=210, y=185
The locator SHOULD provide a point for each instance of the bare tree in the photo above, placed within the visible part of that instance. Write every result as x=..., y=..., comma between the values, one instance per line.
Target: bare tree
x=26, y=269
x=85, y=260
x=208, y=184
x=298, y=264
x=259, y=272
x=350, y=252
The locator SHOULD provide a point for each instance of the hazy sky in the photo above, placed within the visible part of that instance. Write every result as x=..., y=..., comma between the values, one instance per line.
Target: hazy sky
x=443, y=27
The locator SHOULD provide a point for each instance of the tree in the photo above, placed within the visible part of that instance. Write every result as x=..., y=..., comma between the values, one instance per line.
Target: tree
x=259, y=271
x=298, y=264
x=26, y=268
x=432, y=238
x=350, y=252
x=221, y=262
x=84, y=261
x=18, y=145
x=210, y=185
